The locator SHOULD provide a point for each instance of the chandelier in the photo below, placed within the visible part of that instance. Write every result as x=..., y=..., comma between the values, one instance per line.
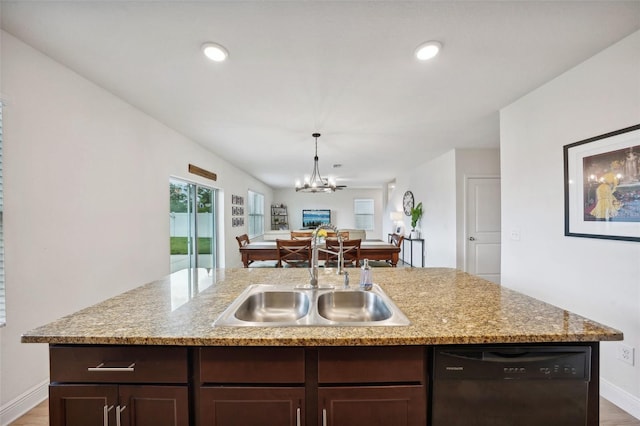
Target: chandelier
x=316, y=183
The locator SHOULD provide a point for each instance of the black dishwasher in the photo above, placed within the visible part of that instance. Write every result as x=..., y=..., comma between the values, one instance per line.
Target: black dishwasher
x=509, y=386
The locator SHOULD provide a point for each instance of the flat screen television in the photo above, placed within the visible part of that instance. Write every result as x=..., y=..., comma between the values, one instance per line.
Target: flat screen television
x=313, y=218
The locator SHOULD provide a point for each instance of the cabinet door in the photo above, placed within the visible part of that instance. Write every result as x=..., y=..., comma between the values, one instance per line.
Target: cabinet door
x=82, y=405
x=244, y=406
x=146, y=405
x=372, y=406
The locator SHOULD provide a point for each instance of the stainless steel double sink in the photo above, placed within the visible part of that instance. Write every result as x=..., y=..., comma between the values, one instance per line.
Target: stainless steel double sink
x=267, y=305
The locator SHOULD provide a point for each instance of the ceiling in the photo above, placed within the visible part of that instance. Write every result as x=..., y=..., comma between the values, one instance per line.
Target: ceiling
x=342, y=68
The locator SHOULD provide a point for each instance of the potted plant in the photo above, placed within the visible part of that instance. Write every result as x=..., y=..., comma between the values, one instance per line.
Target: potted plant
x=416, y=214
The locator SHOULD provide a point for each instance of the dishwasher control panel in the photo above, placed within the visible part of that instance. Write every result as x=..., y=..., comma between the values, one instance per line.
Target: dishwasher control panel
x=512, y=363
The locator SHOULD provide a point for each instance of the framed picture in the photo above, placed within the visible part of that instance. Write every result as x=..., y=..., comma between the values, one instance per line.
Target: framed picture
x=602, y=186
x=237, y=199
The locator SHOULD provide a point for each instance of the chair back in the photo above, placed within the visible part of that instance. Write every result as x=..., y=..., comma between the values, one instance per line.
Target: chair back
x=350, y=251
x=396, y=239
x=294, y=252
x=301, y=235
x=343, y=234
x=243, y=240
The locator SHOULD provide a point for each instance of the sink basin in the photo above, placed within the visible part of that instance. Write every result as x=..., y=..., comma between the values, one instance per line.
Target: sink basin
x=268, y=305
x=350, y=306
x=273, y=306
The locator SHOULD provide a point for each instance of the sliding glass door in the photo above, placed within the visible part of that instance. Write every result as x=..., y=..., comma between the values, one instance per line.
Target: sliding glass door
x=192, y=230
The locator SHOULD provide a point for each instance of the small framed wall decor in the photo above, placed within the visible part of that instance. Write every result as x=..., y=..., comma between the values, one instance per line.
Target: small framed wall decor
x=237, y=210
x=602, y=186
x=237, y=200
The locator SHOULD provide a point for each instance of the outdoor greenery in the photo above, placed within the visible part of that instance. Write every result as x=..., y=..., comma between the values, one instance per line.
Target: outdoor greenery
x=179, y=199
x=179, y=245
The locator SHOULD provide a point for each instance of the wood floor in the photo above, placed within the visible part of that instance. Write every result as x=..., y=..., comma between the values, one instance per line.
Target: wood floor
x=610, y=415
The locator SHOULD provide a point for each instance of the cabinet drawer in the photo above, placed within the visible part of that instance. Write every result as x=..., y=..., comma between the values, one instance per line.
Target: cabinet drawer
x=251, y=365
x=118, y=364
x=377, y=364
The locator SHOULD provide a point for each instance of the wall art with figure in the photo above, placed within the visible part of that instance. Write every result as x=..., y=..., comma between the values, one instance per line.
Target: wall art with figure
x=602, y=186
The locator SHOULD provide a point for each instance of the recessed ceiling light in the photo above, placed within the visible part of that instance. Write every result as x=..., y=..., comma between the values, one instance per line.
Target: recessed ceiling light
x=215, y=52
x=428, y=50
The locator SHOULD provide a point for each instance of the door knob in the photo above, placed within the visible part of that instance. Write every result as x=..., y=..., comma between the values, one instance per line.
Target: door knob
x=472, y=239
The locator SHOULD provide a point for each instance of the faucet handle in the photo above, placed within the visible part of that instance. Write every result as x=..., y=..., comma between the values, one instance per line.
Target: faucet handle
x=346, y=279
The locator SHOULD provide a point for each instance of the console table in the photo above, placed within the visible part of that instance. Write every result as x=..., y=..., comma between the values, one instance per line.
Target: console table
x=412, y=241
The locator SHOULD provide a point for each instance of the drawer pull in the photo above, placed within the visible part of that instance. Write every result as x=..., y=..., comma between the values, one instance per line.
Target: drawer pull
x=105, y=420
x=102, y=367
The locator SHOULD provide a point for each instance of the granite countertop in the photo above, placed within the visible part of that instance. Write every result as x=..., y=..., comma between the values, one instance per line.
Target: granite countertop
x=445, y=306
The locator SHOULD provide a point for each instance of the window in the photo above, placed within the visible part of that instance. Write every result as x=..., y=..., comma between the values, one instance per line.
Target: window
x=2, y=305
x=364, y=213
x=255, y=212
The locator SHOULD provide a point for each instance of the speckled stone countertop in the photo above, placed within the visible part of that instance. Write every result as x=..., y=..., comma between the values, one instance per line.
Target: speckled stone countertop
x=445, y=306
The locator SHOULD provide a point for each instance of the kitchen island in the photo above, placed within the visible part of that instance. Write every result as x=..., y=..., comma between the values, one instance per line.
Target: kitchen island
x=154, y=353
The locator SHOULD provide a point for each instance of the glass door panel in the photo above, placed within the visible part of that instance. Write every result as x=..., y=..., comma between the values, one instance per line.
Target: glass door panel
x=191, y=225
x=205, y=244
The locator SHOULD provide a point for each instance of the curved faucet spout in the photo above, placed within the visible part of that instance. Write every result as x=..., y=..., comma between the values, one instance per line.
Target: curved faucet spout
x=313, y=269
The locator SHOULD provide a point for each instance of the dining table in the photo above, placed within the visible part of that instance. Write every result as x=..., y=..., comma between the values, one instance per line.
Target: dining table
x=369, y=249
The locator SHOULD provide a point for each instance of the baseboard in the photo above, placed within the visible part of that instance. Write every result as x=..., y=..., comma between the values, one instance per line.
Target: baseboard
x=23, y=403
x=620, y=397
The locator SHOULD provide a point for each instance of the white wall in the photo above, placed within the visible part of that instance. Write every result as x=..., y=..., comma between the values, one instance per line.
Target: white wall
x=86, y=204
x=439, y=185
x=599, y=279
x=340, y=203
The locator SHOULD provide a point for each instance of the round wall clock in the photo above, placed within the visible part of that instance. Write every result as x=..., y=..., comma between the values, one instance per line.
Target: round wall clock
x=407, y=202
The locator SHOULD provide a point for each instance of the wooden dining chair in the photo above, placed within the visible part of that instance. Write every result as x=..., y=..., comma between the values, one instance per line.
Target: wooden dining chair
x=243, y=240
x=396, y=240
x=294, y=252
x=301, y=235
x=350, y=251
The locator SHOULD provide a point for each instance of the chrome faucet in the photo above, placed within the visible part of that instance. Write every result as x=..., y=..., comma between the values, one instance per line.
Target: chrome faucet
x=313, y=269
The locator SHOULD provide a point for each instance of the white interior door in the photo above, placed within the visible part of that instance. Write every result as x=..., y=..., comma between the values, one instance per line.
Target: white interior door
x=482, y=254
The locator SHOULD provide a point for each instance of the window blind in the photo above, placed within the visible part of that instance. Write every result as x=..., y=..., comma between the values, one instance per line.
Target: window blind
x=255, y=215
x=363, y=209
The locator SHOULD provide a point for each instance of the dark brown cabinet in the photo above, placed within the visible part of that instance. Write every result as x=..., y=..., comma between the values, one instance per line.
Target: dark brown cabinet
x=82, y=405
x=373, y=386
x=251, y=406
x=372, y=405
x=251, y=386
x=237, y=386
x=119, y=386
x=328, y=386
x=101, y=405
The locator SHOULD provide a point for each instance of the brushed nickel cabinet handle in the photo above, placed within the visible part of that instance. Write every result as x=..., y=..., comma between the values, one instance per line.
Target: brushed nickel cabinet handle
x=298, y=417
x=101, y=367
x=324, y=417
x=118, y=412
x=105, y=418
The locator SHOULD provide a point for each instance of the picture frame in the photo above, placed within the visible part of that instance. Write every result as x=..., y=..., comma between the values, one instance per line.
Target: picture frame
x=602, y=186
x=237, y=200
